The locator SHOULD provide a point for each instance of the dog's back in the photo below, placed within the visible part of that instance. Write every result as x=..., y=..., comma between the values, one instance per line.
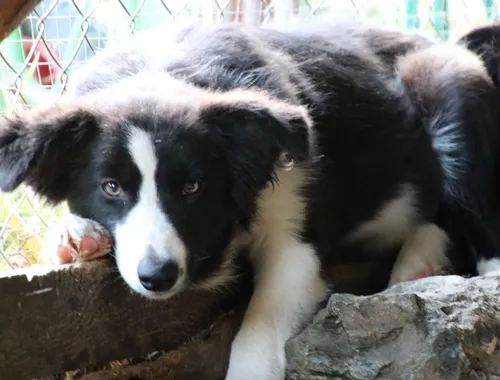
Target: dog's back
x=200, y=45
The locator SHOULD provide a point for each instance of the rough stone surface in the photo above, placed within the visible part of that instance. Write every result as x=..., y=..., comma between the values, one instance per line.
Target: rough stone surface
x=439, y=328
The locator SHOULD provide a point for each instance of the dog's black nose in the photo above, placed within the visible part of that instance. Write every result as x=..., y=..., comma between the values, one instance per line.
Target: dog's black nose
x=157, y=275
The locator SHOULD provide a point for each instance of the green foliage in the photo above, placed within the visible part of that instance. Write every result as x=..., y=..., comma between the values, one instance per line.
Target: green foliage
x=24, y=219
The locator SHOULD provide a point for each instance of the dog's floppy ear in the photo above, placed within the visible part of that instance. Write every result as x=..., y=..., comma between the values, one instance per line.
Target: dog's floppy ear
x=256, y=130
x=485, y=42
x=42, y=147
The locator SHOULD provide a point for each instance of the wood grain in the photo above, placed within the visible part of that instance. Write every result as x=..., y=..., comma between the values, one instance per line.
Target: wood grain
x=204, y=357
x=83, y=314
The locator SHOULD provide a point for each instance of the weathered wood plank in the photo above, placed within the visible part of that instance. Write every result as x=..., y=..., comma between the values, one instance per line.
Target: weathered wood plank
x=205, y=357
x=12, y=14
x=83, y=314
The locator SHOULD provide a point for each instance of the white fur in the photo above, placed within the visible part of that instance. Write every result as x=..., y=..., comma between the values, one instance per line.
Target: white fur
x=423, y=251
x=391, y=223
x=288, y=285
x=146, y=224
x=450, y=143
x=486, y=267
x=424, y=246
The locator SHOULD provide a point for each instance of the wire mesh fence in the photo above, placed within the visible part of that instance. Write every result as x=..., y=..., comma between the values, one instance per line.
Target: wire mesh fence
x=37, y=59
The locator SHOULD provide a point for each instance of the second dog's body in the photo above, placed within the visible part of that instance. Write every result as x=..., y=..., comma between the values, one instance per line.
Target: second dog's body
x=293, y=146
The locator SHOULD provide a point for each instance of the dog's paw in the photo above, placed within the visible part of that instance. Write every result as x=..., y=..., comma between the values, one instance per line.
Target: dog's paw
x=256, y=356
x=75, y=239
x=414, y=271
x=423, y=254
x=489, y=267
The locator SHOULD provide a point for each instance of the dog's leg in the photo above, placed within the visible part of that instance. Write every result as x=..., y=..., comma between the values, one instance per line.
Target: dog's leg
x=75, y=239
x=423, y=254
x=288, y=288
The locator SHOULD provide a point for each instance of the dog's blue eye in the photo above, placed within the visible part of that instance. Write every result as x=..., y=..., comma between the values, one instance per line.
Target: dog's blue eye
x=112, y=188
x=191, y=188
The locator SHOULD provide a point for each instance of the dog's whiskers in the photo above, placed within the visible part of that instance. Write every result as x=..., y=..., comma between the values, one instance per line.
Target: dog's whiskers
x=203, y=258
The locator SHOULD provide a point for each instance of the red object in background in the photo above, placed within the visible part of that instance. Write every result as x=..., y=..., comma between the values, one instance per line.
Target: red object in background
x=47, y=70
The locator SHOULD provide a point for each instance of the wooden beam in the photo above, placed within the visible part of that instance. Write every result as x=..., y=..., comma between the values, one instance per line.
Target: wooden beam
x=66, y=318
x=204, y=357
x=13, y=13
x=84, y=314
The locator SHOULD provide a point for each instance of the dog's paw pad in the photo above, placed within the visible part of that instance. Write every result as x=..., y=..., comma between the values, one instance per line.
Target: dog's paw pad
x=415, y=274
x=419, y=275
x=76, y=239
x=63, y=255
x=88, y=246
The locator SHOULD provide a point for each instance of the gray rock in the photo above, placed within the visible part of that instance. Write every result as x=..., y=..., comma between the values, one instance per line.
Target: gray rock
x=438, y=328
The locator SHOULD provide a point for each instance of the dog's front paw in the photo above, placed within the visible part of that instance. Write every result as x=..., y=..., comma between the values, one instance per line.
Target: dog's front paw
x=256, y=356
x=76, y=239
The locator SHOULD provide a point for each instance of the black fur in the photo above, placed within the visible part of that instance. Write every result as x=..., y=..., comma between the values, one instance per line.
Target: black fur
x=39, y=149
x=373, y=131
x=479, y=225
x=485, y=42
x=252, y=169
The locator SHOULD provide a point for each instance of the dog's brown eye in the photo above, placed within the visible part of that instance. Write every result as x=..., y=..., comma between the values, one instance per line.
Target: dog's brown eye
x=112, y=188
x=191, y=188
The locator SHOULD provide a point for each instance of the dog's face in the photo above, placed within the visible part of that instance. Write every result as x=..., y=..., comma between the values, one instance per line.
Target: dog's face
x=173, y=176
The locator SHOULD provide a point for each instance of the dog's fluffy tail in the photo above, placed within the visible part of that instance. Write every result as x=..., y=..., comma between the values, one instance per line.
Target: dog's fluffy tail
x=457, y=100
x=485, y=42
x=458, y=104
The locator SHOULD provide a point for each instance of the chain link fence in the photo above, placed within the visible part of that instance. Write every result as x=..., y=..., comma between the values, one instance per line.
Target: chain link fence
x=37, y=59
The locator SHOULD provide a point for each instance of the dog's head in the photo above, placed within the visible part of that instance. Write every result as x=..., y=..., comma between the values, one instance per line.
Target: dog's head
x=174, y=172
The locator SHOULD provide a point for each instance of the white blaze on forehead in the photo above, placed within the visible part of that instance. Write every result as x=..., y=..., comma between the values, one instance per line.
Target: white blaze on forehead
x=146, y=228
x=142, y=150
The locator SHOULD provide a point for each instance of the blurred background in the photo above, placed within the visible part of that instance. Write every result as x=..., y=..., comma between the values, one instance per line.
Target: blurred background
x=37, y=59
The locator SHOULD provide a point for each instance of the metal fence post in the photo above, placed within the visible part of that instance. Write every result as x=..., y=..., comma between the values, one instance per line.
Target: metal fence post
x=440, y=19
x=491, y=10
x=412, y=18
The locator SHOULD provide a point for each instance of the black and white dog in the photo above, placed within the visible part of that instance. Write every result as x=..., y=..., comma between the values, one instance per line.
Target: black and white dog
x=290, y=145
